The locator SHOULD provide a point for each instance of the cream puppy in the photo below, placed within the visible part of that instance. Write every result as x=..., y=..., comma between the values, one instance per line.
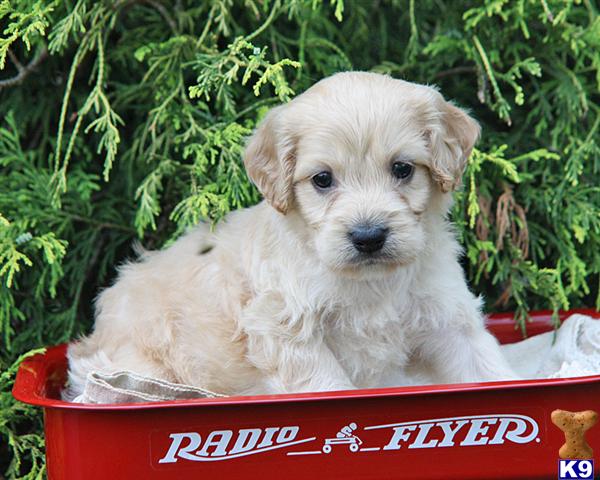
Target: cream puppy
x=346, y=276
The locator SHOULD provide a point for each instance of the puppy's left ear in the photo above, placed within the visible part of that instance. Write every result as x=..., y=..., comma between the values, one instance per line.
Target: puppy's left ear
x=451, y=140
x=270, y=159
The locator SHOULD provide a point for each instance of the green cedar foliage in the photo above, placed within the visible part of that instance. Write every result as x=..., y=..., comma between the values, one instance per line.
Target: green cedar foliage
x=125, y=119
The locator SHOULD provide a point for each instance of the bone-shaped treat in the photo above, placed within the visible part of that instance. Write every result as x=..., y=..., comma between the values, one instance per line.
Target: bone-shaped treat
x=574, y=425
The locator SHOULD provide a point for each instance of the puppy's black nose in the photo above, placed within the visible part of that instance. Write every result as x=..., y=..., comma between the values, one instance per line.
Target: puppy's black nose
x=368, y=238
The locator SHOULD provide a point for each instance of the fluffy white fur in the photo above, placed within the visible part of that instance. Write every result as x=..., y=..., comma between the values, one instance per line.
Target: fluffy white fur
x=283, y=302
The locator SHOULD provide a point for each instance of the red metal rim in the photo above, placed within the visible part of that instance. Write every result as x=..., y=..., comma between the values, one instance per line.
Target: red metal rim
x=33, y=374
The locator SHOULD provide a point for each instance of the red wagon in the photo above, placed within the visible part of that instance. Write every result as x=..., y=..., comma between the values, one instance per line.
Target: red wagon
x=465, y=431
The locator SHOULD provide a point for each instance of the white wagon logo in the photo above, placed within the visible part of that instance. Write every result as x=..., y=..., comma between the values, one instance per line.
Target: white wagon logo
x=466, y=431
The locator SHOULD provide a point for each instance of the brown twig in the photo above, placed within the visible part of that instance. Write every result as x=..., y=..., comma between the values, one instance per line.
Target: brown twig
x=15, y=60
x=521, y=239
x=506, y=210
x=504, y=297
x=548, y=12
x=23, y=71
x=481, y=84
x=164, y=13
x=454, y=71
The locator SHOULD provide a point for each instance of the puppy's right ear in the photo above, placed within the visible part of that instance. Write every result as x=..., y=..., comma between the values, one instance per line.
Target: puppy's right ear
x=270, y=160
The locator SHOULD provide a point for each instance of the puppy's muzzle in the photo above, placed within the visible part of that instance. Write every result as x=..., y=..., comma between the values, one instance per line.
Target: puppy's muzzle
x=368, y=238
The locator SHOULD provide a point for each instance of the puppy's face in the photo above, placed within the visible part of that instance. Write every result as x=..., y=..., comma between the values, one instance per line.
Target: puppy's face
x=362, y=190
x=363, y=160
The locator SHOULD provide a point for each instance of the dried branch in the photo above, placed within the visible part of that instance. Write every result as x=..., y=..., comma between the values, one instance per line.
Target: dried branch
x=15, y=60
x=455, y=71
x=164, y=13
x=23, y=71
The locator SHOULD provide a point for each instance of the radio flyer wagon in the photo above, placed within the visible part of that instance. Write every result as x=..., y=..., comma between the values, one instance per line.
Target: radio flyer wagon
x=490, y=430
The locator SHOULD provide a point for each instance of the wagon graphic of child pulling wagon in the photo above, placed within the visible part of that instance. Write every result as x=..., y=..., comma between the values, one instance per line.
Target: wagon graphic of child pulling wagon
x=344, y=437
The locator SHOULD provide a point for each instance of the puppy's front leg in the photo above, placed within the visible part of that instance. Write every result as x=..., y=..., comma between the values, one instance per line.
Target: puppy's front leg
x=464, y=354
x=292, y=367
x=289, y=349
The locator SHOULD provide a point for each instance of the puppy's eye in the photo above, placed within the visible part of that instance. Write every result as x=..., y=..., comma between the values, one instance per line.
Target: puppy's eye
x=402, y=170
x=323, y=179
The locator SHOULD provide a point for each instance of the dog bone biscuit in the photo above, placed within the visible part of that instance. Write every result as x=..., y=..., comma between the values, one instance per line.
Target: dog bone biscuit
x=574, y=425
